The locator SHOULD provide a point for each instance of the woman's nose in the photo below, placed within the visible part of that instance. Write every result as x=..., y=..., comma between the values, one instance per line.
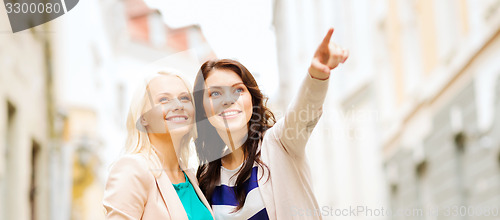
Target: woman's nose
x=229, y=99
x=177, y=104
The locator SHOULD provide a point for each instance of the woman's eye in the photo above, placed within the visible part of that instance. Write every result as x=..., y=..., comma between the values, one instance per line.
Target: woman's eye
x=239, y=90
x=214, y=94
x=185, y=98
x=163, y=100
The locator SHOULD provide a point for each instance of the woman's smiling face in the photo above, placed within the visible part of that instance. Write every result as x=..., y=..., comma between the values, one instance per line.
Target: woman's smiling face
x=227, y=101
x=171, y=108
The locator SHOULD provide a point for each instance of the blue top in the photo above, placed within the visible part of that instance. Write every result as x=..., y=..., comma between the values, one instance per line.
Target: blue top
x=224, y=199
x=195, y=209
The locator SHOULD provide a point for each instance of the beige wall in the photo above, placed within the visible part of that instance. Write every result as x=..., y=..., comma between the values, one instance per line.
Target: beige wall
x=22, y=83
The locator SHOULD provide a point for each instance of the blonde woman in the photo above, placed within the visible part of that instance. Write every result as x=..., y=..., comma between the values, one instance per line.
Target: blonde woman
x=151, y=180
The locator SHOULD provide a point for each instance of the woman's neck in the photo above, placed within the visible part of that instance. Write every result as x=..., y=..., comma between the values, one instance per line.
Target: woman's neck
x=167, y=149
x=234, y=159
x=233, y=139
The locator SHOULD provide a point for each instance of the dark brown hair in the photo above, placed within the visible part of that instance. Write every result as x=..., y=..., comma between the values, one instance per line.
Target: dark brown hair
x=209, y=145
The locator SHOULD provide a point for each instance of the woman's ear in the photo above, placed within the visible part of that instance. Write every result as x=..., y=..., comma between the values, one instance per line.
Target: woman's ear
x=144, y=121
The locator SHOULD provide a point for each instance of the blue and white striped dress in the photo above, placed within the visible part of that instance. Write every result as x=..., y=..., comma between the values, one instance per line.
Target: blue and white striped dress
x=224, y=199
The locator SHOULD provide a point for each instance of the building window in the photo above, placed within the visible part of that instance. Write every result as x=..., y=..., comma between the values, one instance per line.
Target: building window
x=460, y=145
x=157, y=33
x=35, y=150
x=392, y=175
x=421, y=169
x=498, y=157
x=459, y=140
x=394, y=197
x=11, y=113
x=423, y=186
x=394, y=191
x=9, y=183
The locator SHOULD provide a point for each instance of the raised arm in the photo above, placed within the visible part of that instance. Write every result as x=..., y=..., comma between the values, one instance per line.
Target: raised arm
x=304, y=112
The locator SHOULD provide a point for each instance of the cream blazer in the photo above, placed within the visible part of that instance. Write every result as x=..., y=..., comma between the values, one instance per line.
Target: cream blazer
x=287, y=193
x=133, y=192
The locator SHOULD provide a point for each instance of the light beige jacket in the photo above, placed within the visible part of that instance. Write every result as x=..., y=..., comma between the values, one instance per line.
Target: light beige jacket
x=133, y=192
x=288, y=193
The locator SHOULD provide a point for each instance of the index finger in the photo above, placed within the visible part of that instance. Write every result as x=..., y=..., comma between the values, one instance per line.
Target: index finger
x=326, y=40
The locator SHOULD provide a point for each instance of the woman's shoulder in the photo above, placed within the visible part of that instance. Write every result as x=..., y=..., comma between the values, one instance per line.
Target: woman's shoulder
x=129, y=159
x=128, y=186
x=132, y=165
x=271, y=131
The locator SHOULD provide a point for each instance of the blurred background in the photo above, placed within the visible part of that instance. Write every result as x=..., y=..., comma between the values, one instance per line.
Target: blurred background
x=411, y=120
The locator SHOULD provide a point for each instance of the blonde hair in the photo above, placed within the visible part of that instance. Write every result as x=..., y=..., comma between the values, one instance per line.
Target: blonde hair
x=137, y=136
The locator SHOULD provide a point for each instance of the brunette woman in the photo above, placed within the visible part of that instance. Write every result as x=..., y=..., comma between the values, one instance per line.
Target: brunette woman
x=251, y=166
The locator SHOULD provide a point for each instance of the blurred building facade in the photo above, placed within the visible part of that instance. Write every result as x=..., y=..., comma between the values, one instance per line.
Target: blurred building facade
x=66, y=86
x=411, y=120
x=441, y=142
x=25, y=122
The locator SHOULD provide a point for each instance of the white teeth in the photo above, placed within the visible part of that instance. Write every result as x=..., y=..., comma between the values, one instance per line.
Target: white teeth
x=229, y=113
x=180, y=118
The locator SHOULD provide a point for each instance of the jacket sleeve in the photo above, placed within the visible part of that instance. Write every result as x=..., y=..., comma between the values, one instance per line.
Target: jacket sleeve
x=127, y=189
x=302, y=115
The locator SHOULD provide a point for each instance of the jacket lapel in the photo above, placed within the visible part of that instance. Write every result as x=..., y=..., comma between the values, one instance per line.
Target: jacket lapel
x=170, y=197
x=194, y=182
x=265, y=187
